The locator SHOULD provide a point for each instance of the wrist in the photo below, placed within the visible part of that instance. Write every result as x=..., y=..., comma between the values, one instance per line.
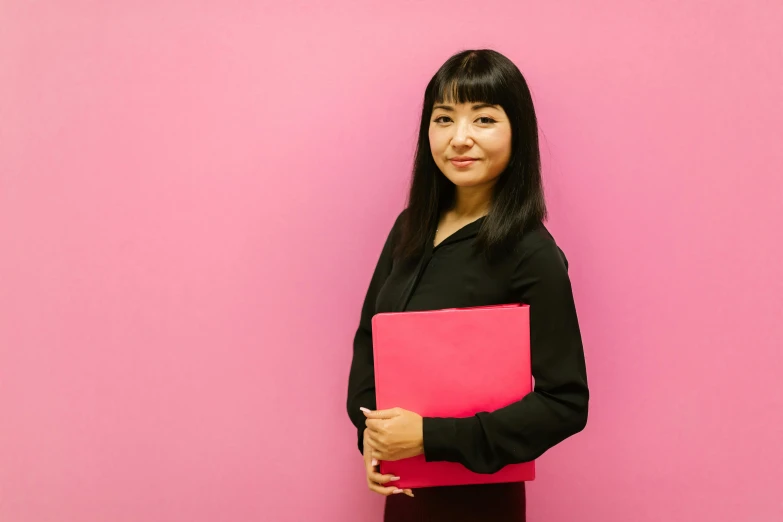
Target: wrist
x=439, y=438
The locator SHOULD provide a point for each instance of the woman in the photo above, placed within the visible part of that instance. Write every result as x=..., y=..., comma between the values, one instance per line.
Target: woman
x=473, y=234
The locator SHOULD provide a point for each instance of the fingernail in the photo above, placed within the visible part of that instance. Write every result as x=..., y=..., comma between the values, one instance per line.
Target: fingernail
x=374, y=462
x=394, y=478
x=364, y=409
x=397, y=491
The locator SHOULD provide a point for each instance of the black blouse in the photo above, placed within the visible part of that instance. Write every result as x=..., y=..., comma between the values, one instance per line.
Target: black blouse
x=452, y=275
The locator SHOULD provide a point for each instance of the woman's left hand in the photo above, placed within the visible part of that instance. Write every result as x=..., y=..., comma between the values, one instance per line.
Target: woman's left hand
x=394, y=434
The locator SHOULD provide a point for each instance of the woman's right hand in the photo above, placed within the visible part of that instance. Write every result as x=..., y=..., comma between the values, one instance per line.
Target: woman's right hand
x=375, y=481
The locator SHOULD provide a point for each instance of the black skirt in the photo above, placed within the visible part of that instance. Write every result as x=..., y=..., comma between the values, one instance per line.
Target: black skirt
x=474, y=503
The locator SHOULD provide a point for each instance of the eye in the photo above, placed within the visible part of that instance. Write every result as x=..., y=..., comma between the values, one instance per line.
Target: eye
x=486, y=120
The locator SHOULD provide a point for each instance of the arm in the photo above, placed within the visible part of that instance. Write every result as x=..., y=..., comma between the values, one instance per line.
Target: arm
x=361, y=379
x=556, y=409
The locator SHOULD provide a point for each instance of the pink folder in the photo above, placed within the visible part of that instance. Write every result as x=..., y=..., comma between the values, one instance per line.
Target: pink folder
x=453, y=362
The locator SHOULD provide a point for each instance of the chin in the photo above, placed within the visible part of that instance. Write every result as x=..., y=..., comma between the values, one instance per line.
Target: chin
x=466, y=179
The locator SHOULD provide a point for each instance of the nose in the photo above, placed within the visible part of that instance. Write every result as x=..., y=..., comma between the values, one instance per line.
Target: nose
x=461, y=136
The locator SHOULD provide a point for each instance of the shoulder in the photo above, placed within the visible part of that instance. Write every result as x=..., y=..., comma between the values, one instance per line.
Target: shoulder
x=399, y=223
x=393, y=235
x=399, y=220
x=537, y=249
x=540, y=272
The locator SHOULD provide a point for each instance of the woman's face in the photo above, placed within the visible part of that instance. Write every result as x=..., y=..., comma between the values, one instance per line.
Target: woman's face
x=472, y=130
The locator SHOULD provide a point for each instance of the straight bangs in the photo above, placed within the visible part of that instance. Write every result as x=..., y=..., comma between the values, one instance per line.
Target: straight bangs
x=468, y=82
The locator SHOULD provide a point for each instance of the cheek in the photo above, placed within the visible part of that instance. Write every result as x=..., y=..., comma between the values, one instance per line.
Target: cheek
x=436, y=142
x=499, y=146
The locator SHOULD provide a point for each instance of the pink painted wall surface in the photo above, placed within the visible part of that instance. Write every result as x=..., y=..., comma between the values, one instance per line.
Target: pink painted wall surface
x=193, y=196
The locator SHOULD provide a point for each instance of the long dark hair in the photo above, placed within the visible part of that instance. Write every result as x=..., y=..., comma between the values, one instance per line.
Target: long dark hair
x=481, y=75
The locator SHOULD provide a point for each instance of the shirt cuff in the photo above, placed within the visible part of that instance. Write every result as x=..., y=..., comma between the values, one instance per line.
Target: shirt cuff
x=440, y=435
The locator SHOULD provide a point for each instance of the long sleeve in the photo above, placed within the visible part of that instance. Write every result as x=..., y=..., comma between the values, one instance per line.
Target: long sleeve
x=556, y=409
x=361, y=379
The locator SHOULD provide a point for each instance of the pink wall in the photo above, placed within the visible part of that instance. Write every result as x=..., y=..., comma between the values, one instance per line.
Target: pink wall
x=192, y=197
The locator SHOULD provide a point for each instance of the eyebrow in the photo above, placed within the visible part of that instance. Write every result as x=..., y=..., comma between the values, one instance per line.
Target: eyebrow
x=474, y=107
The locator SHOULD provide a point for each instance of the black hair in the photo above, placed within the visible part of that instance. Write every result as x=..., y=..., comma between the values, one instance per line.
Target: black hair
x=476, y=76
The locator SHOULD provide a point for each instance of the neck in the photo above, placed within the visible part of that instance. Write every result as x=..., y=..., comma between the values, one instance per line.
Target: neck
x=471, y=202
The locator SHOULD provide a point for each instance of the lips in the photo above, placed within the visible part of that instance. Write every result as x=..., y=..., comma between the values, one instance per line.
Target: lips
x=462, y=161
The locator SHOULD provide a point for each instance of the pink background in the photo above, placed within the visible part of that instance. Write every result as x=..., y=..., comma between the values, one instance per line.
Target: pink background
x=193, y=196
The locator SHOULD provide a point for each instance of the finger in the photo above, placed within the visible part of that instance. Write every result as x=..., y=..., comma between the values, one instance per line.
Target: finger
x=381, y=414
x=369, y=447
x=377, y=483
x=381, y=479
x=385, y=491
x=375, y=438
x=408, y=492
x=372, y=444
x=375, y=425
x=378, y=450
x=369, y=462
